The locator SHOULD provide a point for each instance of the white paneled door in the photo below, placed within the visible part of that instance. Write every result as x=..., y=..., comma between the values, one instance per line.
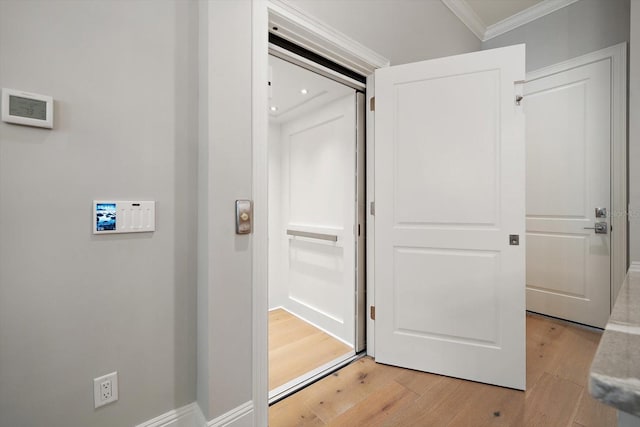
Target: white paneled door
x=319, y=168
x=568, y=178
x=449, y=193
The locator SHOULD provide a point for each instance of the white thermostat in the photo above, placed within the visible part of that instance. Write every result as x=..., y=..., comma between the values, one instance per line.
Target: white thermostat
x=29, y=109
x=123, y=216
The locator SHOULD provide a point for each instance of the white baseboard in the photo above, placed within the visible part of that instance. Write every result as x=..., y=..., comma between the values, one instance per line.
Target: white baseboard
x=191, y=416
x=634, y=267
x=187, y=416
x=242, y=416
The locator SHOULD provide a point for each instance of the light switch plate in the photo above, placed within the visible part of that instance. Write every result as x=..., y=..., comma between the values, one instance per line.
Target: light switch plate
x=111, y=216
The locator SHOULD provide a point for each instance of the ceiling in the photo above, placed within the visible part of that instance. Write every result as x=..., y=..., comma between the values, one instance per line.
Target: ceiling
x=490, y=18
x=286, y=91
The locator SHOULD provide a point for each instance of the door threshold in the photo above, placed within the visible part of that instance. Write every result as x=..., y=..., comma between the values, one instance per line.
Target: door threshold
x=297, y=384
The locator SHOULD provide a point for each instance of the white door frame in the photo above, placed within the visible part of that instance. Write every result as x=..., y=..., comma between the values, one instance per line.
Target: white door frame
x=618, y=59
x=317, y=37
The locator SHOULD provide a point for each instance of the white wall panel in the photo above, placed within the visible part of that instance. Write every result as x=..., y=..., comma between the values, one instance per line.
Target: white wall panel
x=422, y=301
x=316, y=181
x=557, y=263
x=430, y=170
x=316, y=194
x=557, y=161
x=277, y=281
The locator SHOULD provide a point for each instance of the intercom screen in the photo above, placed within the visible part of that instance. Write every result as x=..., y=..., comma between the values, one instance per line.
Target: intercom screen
x=105, y=216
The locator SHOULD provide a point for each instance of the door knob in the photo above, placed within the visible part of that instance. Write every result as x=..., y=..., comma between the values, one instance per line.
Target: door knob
x=599, y=227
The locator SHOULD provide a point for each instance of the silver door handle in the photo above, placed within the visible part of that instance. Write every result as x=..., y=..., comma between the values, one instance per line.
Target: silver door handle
x=599, y=227
x=320, y=236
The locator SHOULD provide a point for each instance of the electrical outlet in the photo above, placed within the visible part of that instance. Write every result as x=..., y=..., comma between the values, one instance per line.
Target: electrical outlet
x=105, y=389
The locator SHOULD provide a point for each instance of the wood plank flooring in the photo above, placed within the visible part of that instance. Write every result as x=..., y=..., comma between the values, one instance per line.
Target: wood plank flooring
x=296, y=347
x=368, y=394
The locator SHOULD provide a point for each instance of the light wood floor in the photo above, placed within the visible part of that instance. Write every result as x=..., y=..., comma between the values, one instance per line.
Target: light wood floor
x=296, y=347
x=368, y=394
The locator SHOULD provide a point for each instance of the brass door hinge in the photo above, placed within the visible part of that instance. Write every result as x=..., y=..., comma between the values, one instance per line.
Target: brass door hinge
x=373, y=312
x=372, y=103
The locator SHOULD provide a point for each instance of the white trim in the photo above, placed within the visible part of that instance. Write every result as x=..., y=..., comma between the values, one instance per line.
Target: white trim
x=241, y=416
x=305, y=31
x=599, y=55
x=186, y=416
x=634, y=267
x=260, y=178
x=470, y=18
x=370, y=162
x=619, y=172
x=619, y=216
x=360, y=342
x=528, y=15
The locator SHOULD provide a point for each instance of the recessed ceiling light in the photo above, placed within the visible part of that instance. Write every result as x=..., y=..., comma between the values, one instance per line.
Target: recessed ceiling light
x=274, y=108
x=303, y=91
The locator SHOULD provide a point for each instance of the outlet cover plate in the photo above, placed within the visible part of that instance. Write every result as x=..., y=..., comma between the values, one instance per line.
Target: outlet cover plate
x=110, y=383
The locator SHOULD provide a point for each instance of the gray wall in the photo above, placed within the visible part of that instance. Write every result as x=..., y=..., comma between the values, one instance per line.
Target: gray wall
x=225, y=175
x=583, y=27
x=401, y=30
x=74, y=306
x=634, y=134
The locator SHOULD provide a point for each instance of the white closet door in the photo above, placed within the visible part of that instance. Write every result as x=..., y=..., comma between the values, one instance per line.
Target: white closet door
x=449, y=192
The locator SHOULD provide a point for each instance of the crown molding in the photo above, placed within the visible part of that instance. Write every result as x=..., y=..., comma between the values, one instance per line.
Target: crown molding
x=528, y=15
x=470, y=18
